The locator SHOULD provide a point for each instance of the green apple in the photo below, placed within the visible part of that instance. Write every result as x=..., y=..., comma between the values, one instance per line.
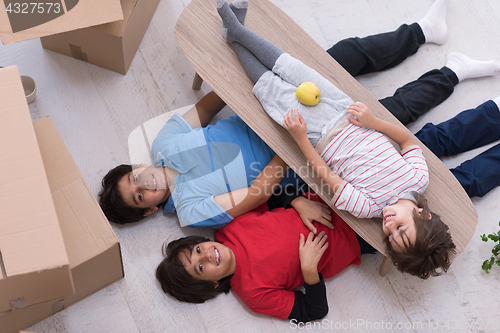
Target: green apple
x=308, y=93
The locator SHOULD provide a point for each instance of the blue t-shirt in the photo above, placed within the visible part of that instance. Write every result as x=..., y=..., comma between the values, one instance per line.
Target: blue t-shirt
x=211, y=161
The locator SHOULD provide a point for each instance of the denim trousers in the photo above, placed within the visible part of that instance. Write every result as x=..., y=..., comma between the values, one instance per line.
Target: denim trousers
x=468, y=130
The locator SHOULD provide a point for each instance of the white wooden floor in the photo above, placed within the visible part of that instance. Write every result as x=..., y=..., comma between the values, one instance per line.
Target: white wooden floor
x=95, y=110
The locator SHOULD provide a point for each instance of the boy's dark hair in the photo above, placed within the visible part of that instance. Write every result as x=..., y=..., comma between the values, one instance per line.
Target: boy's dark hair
x=433, y=247
x=176, y=281
x=111, y=201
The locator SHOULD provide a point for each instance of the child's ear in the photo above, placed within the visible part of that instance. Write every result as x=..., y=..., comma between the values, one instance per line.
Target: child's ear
x=420, y=211
x=216, y=285
x=150, y=211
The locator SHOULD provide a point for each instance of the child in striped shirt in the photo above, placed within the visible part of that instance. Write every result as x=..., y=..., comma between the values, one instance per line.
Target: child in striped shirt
x=368, y=175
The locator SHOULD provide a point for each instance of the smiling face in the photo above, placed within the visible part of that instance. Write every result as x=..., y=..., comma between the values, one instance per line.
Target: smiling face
x=144, y=187
x=398, y=223
x=209, y=261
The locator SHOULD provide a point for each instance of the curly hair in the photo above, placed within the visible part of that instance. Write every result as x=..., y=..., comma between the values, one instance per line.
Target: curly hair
x=431, y=253
x=177, y=282
x=111, y=200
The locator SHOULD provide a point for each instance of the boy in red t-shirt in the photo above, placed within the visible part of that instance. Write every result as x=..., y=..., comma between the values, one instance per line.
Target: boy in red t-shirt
x=256, y=255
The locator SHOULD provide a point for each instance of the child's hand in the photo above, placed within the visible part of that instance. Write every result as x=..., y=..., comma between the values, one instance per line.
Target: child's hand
x=363, y=115
x=311, y=211
x=295, y=124
x=310, y=252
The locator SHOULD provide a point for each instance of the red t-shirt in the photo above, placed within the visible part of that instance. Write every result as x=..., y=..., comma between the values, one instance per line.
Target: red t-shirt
x=266, y=248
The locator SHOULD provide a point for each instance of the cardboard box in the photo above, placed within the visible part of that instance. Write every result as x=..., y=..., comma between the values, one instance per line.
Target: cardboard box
x=113, y=45
x=92, y=246
x=34, y=266
x=22, y=19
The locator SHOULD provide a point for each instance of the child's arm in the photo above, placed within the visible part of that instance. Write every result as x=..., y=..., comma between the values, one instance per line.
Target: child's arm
x=297, y=127
x=242, y=201
x=312, y=211
x=309, y=211
x=313, y=304
x=310, y=252
x=365, y=118
x=203, y=112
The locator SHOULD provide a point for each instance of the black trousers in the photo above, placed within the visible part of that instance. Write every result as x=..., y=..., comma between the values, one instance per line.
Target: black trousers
x=383, y=51
x=364, y=246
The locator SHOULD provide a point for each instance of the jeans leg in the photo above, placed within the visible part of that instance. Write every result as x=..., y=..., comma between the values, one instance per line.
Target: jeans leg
x=468, y=130
x=416, y=98
x=480, y=174
x=377, y=52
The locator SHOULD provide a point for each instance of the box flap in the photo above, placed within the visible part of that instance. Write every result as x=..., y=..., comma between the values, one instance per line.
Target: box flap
x=117, y=28
x=75, y=204
x=22, y=20
x=31, y=244
x=25, y=202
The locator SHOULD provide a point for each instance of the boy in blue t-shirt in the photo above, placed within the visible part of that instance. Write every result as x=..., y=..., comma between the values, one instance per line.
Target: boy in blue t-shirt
x=207, y=174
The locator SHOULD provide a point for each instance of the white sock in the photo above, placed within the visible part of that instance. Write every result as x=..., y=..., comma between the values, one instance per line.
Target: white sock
x=497, y=101
x=433, y=24
x=467, y=68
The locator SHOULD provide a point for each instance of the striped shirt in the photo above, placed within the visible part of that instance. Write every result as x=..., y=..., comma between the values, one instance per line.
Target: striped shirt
x=375, y=175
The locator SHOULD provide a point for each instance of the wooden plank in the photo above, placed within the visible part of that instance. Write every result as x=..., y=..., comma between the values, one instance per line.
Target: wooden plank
x=199, y=33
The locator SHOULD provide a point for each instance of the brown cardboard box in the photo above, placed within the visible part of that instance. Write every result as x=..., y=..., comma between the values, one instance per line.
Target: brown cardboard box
x=113, y=45
x=22, y=20
x=92, y=246
x=34, y=266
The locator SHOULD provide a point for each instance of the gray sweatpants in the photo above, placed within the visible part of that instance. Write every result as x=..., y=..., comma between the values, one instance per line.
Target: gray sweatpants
x=276, y=92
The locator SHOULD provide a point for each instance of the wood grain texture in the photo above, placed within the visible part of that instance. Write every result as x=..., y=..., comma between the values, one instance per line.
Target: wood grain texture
x=198, y=32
